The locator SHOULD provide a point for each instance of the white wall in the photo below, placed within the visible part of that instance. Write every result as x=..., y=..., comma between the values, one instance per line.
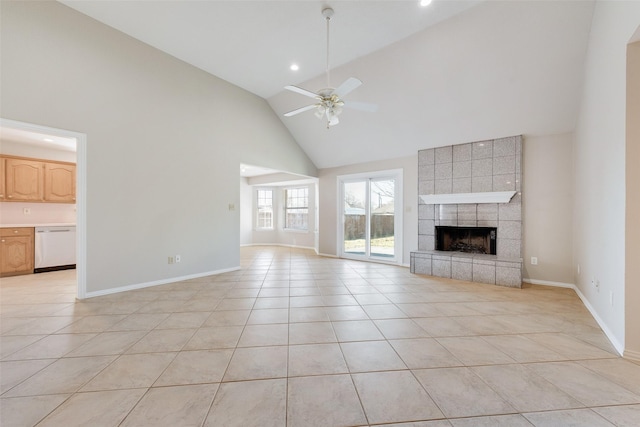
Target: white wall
x=599, y=221
x=329, y=202
x=547, y=208
x=164, y=140
x=246, y=212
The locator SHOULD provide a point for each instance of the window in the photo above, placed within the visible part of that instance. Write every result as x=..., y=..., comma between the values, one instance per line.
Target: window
x=264, y=212
x=296, y=208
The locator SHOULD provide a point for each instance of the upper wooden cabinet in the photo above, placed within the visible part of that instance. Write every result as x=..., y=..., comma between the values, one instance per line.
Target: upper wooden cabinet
x=59, y=183
x=34, y=180
x=24, y=180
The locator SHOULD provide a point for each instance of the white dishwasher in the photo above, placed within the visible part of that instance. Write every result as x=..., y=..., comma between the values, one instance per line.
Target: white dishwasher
x=55, y=248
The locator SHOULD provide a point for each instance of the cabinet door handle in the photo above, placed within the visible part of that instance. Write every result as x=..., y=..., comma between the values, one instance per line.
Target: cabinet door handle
x=2, y=241
x=15, y=231
x=9, y=196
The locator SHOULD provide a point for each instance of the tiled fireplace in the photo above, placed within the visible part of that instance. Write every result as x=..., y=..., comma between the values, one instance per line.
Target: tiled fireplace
x=473, y=193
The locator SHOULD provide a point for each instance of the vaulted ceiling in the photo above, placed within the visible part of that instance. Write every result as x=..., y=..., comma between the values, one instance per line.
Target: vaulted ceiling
x=451, y=72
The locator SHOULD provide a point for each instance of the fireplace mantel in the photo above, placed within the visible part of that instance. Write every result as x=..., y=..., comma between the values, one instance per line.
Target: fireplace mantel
x=460, y=198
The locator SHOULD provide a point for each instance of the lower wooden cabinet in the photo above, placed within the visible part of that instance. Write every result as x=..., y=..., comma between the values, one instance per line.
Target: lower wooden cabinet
x=16, y=251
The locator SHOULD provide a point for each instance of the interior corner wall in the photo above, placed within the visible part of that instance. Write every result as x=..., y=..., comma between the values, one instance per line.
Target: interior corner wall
x=328, y=204
x=599, y=159
x=164, y=141
x=547, y=208
x=632, y=246
x=246, y=212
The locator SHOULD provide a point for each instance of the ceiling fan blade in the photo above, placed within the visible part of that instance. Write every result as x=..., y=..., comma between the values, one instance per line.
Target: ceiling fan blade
x=362, y=106
x=347, y=86
x=301, y=91
x=300, y=110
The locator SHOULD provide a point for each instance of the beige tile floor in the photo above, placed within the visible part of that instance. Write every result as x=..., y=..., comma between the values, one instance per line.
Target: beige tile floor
x=293, y=339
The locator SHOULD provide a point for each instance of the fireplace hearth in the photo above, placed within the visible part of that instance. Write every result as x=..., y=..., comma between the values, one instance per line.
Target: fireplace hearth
x=476, y=240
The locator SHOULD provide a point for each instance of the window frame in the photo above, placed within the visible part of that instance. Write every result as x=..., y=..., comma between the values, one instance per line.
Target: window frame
x=259, y=211
x=305, y=206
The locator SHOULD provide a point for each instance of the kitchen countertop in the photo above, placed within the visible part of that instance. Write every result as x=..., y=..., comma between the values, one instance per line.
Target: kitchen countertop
x=58, y=224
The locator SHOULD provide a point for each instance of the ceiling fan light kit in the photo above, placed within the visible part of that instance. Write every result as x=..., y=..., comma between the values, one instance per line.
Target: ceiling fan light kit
x=329, y=100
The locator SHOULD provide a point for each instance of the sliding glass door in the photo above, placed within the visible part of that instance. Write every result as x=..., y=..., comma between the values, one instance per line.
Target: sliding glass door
x=371, y=214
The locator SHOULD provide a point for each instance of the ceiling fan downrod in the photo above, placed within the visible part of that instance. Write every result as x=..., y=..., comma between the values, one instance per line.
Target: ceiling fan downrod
x=327, y=13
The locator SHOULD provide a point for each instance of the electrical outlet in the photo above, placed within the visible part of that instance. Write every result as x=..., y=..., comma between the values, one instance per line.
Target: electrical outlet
x=170, y=260
x=177, y=259
x=26, y=211
x=232, y=207
x=534, y=260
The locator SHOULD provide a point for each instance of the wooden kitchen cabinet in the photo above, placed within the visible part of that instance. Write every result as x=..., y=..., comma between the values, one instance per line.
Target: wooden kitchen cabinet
x=59, y=182
x=16, y=251
x=35, y=180
x=24, y=180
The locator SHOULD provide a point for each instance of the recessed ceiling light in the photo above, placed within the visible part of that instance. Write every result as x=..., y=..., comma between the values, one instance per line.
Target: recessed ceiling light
x=424, y=3
x=294, y=67
x=48, y=140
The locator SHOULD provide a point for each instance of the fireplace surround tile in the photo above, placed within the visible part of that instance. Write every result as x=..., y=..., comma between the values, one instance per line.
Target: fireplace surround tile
x=444, y=170
x=426, y=243
x=426, y=187
x=447, y=212
x=441, y=266
x=481, y=184
x=461, y=185
x=487, y=212
x=504, y=165
x=462, y=169
x=485, y=166
x=504, y=182
x=482, y=150
x=510, y=230
x=482, y=167
x=461, y=270
x=426, y=211
x=443, y=186
x=426, y=157
x=510, y=277
x=444, y=154
x=462, y=152
x=484, y=273
x=510, y=211
x=426, y=227
x=504, y=147
x=509, y=248
x=427, y=172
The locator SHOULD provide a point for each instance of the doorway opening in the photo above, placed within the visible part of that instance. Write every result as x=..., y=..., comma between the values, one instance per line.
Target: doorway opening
x=371, y=216
x=8, y=126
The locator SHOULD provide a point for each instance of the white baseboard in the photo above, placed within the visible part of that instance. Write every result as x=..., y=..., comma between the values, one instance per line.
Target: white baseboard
x=610, y=336
x=549, y=283
x=633, y=355
x=157, y=282
x=327, y=255
x=281, y=245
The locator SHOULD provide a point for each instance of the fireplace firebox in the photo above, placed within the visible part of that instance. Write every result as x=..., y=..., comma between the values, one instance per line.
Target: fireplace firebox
x=477, y=240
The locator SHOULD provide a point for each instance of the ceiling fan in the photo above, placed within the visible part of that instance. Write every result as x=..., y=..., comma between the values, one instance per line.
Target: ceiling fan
x=329, y=100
